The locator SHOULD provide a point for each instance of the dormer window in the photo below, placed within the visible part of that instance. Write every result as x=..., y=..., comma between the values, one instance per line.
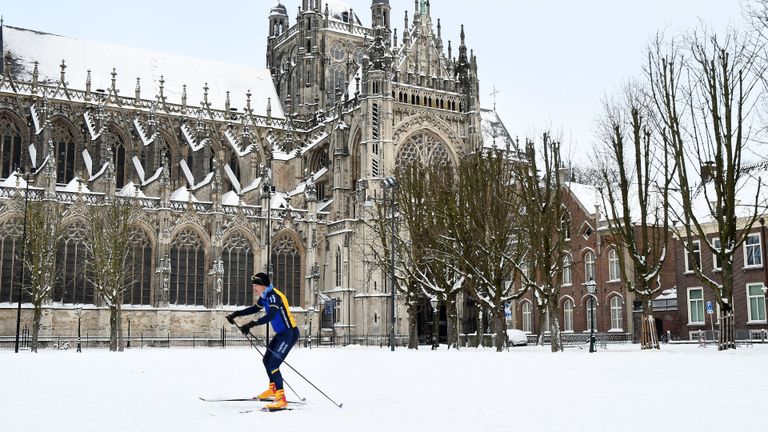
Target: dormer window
x=345, y=17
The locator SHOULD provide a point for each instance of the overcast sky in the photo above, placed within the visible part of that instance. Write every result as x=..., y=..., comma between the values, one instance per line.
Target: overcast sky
x=552, y=61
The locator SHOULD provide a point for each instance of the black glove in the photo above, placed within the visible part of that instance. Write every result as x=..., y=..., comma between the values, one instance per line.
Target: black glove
x=231, y=318
x=246, y=329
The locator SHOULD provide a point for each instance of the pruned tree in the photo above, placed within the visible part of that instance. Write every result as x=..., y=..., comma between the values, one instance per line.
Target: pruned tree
x=539, y=187
x=43, y=232
x=109, y=249
x=480, y=239
x=635, y=175
x=704, y=90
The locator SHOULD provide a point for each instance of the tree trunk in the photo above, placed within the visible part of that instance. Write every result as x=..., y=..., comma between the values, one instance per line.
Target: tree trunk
x=648, y=339
x=554, y=327
x=114, y=324
x=413, y=331
x=727, y=336
x=540, y=326
x=501, y=330
x=480, y=332
x=451, y=324
x=38, y=314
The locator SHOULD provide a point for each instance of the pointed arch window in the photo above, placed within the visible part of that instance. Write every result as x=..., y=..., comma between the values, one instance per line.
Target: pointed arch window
x=75, y=285
x=10, y=146
x=338, y=266
x=568, y=315
x=238, y=258
x=64, y=143
x=527, y=317
x=287, y=262
x=187, y=269
x=589, y=266
x=10, y=262
x=616, y=315
x=140, y=269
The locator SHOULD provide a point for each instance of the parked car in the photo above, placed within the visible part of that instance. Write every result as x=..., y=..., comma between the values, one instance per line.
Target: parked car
x=517, y=337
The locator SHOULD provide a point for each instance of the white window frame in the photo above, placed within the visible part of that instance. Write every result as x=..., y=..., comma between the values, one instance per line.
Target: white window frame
x=715, y=257
x=568, y=316
x=565, y=225
x=697, y=250
x=526, y=315
x=567, y=270
x=617, y=316
x=614, y=270
x=589, y=266
x=758, y=247
x=760, y=299
x=691, y=306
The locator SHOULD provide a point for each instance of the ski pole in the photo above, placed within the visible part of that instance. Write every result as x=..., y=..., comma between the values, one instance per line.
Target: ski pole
x=248, y=336
x=294, y=369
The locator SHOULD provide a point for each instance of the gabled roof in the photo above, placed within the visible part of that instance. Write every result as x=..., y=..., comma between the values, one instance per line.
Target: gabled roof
x=80, y=56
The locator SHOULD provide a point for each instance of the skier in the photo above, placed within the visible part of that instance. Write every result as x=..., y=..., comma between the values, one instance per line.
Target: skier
x=278, y=313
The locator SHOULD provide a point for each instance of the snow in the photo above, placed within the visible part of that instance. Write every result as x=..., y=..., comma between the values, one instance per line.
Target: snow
x=80, y=56
x=526, y=388
x=494, y=131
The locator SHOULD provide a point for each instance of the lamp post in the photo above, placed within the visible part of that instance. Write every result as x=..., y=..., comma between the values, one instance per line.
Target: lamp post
x=79, y=313
x=310, y=315
x=23, y=257
x=391, y=184
x=435, y=323
x=591, y=288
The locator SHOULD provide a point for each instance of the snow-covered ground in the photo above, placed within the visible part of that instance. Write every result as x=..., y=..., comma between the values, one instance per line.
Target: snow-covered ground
x=681, y=388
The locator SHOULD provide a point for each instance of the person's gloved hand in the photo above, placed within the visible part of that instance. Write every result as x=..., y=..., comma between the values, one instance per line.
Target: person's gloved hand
x=246, y=328
x=231, y=318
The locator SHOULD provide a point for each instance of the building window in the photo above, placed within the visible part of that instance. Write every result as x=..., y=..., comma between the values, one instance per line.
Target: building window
x=526, y=317
x=567, y=276
x=75, y=284
x=568, y=315
x=613, y=265
x=589, y=266
x=10, y=146
x=616, y=314
x=338, y=266
x=286, y=259
x=692, y=255
x=752, y=255
x=755, y=303
x=140, y=269
x=238, y=261
x=695, y=306
x=716, y=263
x=187, y=269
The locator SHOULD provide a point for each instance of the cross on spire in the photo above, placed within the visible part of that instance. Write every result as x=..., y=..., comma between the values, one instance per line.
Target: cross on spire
x=494, y=93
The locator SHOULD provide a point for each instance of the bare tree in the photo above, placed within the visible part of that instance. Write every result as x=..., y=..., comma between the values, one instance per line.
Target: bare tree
x=109, y=249
x=43, y=232
x=539, y=188
x=705, y=89
x=481, y=232
x=635, y=177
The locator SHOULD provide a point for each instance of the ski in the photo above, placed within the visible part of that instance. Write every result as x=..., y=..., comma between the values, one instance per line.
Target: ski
x=245, y=400
x=265, y=409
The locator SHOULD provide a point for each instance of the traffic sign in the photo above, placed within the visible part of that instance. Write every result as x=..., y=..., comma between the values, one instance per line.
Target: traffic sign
x=709, y=308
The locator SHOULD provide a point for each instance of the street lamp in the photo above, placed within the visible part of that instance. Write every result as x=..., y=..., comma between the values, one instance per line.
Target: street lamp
x=23, y=256
x=310, y=315
x=391, y=184
x=78, y=313
x=435, y=323
x=591, y=288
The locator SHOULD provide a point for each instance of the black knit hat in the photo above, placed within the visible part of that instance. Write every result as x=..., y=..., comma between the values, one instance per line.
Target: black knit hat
x=260, y=279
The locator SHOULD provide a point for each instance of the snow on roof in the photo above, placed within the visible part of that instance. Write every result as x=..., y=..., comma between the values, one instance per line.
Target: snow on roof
x=182, y=194
x=75, y=185
x=80, y=56
x=322, y=206
x=230, y=198
x=337, y=7
x=130, y=189
x=493, y=129
x=586, y=195
x=12, y=179
x=303, y=185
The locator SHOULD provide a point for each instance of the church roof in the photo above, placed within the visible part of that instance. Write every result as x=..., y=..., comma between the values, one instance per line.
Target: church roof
x=80, y=56
x=336, y=9
x=494, y=131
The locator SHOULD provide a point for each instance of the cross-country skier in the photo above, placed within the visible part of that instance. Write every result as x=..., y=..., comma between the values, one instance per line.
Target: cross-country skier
x=278, y=313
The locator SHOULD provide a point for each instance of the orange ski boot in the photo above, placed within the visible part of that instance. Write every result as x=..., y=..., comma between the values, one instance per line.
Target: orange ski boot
x=268, y=394
x=280, y=402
